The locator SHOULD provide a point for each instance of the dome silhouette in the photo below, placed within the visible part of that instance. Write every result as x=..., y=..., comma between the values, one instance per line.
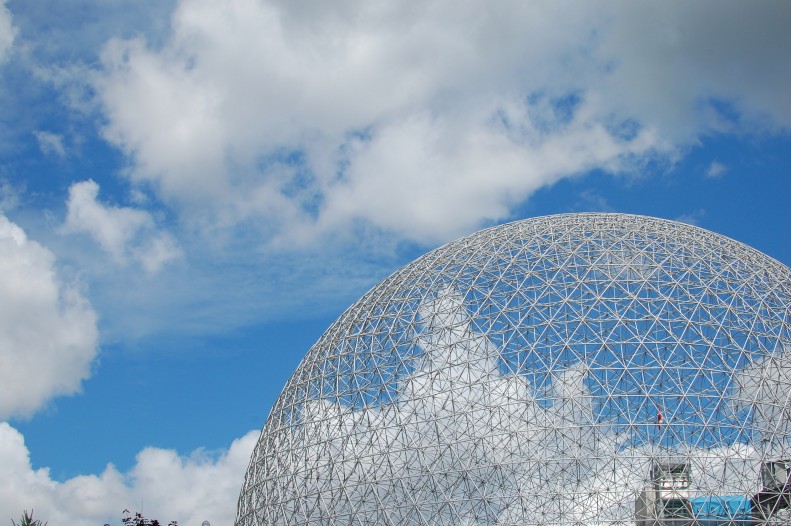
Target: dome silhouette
x=571, y=369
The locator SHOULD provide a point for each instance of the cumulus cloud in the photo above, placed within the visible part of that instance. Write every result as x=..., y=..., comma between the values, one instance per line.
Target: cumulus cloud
x=201, y=486
x=761, y=394
x=124, y=233
x=7, y=32
x=493, y=422
x=48, y=334
x=403, y=176
x=403, y=116
x=462, y=430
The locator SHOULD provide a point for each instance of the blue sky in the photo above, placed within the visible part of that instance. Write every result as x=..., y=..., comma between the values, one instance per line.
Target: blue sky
x=191, y=192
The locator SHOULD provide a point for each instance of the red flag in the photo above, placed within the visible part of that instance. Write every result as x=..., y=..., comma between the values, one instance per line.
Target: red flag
x=658, y=417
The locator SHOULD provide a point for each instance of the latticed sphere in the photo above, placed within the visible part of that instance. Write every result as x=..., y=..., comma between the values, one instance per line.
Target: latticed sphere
x=533, y=373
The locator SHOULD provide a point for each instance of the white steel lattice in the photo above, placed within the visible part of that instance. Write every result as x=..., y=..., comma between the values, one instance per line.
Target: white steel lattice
x=543, y=372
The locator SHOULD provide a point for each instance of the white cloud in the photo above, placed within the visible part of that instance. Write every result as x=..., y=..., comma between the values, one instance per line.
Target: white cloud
x=431, y=179
x=7, y=32
x=50, y=143
x=692, y=218
x=462, y=430
x=124, y=233
x=691, y=68
x=48, y=334
x=760, y=391
x=189, y=489
x=9, y=196
x=716, y=169
x=456, y=395
x=427, y=118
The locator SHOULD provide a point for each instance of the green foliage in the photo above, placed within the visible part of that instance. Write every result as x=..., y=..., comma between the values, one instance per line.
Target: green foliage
x=138, y=520
x=129, y=520
x=27, y=520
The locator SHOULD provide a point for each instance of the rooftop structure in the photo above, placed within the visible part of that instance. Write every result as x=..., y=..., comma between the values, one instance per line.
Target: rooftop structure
x=571, y=369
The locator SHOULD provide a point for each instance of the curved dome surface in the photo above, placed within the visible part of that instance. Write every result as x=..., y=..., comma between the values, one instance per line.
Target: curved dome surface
x=571, y=369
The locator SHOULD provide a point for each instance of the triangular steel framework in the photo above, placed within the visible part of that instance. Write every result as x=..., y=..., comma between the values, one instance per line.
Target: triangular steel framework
x=535, y=373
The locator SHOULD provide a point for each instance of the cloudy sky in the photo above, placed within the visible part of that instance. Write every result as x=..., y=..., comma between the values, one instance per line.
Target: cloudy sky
x=191, y=192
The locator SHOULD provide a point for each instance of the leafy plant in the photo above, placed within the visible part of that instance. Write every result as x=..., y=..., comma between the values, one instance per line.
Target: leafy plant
x=137, y=519
x=27, y=520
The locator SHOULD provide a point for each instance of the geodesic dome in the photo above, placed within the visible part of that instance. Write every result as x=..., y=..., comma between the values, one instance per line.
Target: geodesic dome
x=572, y=369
